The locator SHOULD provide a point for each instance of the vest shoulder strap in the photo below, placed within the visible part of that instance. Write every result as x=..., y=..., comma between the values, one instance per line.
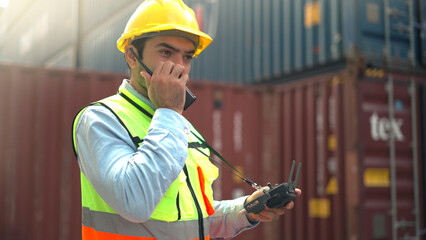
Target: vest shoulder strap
x=135, y=139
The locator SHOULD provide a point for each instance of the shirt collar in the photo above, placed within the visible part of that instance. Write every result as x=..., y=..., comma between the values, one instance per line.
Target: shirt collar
x=128, y=87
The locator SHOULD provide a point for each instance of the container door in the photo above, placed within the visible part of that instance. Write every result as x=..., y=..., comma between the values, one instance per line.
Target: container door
x=422, y=106
x=422, y=29
x=385, y=34
x=388, y=160
x=311, y=123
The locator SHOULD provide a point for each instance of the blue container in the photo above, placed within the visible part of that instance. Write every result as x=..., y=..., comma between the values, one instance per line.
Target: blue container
x=255, y=41
x=421, y=28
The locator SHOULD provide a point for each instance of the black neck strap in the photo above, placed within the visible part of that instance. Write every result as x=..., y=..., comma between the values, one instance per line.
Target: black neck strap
x=135, y=104
x=204, y=143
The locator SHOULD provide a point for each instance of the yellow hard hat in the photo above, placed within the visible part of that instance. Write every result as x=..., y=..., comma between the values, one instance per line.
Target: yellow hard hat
x=157, y=17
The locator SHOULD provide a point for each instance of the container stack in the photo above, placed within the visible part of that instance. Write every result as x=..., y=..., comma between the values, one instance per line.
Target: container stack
x=337, y=85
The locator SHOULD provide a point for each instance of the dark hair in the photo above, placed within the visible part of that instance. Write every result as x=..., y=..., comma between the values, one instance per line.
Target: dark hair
x=139, y=45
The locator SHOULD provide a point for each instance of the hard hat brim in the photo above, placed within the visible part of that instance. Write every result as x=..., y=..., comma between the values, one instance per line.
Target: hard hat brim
x=126, y=38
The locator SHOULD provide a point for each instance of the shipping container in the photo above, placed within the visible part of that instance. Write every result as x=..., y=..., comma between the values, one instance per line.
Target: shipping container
x=357, y=131
x=359, y=134
x=420, y=27
x=275, y=38
x=422, y=105
x=39, y=32
x=39, y=182
x=254, y=41
x=357, y=182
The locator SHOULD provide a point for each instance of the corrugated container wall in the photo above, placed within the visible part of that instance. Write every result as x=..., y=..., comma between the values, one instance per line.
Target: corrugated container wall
x=38, y=32
x=422, y=105
x=360, y=135
x=39, y=175
x=254, y=41
x=357, y=134
x=422, y=26
x=257, y=41
x=64, y=33
x=102, y=23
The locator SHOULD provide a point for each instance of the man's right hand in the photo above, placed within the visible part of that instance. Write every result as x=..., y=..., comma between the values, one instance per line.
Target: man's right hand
x=166, y=87
x=269, y=214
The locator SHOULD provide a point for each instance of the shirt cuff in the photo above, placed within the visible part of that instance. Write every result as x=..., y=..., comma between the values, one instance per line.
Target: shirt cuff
x=255, y=222
x=247, y=223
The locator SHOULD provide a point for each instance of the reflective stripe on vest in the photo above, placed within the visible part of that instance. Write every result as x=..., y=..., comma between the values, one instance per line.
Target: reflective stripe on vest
x=177, y=205
x=113, y=224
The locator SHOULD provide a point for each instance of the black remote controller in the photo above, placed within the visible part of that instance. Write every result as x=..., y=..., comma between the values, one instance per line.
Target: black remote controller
x=275, y=197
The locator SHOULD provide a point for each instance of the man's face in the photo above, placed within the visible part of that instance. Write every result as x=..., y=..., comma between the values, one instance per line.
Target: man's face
x=161, y=49
x=168, y=48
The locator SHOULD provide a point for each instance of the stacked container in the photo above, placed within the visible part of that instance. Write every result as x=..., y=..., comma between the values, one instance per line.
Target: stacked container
x=359, y=134
x=254, y=41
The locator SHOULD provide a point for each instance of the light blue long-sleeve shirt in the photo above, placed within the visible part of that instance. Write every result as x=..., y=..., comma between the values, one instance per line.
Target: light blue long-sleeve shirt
x=133, y=180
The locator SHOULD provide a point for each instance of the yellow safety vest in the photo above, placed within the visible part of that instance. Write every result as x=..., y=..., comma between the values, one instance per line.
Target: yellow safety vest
x=187, y=202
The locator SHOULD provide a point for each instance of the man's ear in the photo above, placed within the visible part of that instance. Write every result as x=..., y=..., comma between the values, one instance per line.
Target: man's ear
x=130, y=58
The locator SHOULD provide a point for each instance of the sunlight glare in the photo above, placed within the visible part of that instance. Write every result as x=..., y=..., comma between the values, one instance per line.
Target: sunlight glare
x=4, y=3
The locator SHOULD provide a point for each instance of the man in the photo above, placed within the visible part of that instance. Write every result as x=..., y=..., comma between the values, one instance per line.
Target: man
x=142, y=173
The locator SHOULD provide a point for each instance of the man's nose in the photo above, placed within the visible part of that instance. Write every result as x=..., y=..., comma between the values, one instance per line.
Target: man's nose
x=178, y=60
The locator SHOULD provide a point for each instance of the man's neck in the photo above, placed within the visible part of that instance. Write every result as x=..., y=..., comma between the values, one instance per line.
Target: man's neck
x=138, y=87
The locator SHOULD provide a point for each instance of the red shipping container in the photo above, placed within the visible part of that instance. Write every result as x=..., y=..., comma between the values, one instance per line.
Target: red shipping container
x=337, y=124
x=40, y=183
